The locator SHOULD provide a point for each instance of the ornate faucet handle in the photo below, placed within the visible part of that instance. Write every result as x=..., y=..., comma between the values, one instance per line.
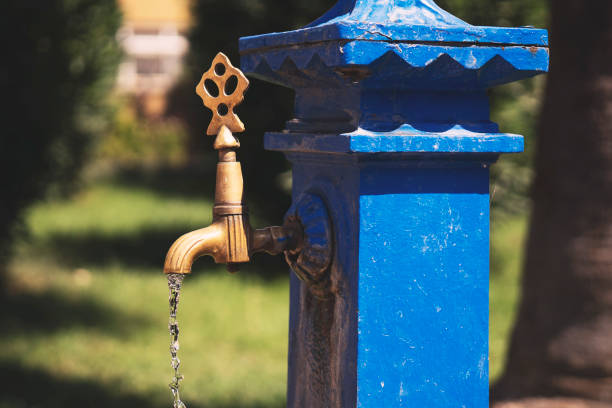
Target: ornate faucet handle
x=222, y=88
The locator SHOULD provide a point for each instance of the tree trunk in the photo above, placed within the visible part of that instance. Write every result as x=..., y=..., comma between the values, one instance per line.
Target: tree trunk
x=562, y=342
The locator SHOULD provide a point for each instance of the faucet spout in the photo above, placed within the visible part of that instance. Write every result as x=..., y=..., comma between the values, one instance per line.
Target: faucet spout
x=189, y=247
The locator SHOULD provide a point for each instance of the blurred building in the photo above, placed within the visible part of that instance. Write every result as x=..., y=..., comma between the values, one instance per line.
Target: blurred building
x=154, y=41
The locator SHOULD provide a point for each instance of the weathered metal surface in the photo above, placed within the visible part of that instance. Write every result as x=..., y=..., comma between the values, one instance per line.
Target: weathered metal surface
x=416, y=34
x=311, y=260
x=408, y=325
x=322, y=368
x=373, y=142
x=398, y=20
x=385, y=86
x=392, y=131
x=423, y=285
x=465, y=66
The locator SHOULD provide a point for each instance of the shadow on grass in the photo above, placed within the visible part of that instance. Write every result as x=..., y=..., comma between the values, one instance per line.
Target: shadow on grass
x=181, y=182
x=145, y=248
x=141, y=248
x=27, y=387
x=22, y=387
x=199, y=182
x=33, y=313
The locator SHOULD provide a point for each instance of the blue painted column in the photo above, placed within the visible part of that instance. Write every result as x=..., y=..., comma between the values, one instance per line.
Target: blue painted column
x=392, y=131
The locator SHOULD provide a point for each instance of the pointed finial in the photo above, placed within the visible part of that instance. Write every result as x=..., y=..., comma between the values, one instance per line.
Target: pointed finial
x=222, y=88
x=225, y=140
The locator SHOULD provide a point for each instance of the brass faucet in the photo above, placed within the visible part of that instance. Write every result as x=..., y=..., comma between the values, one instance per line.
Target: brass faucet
x=230, y=239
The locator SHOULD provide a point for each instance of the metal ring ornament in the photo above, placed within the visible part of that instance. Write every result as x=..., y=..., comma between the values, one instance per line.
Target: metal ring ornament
x=311, y=262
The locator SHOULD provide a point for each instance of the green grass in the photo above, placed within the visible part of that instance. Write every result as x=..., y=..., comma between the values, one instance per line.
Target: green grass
x=114, y=210
x=85, y=321
x=507, y=242
x=102, y=324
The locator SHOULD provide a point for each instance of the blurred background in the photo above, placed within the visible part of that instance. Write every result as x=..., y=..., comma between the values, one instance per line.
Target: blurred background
x=105, y=163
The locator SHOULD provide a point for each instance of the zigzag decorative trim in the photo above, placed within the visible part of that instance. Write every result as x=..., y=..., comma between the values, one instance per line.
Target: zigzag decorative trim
x=415, y=55
x=320, y=62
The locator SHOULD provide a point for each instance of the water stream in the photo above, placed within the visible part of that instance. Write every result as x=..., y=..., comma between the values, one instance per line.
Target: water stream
x=175, y=281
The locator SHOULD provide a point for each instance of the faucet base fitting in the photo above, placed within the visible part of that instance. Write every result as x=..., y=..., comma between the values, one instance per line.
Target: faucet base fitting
x=311, y=261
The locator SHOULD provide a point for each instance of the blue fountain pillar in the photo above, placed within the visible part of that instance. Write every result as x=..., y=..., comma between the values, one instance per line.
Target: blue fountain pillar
x=392, y=130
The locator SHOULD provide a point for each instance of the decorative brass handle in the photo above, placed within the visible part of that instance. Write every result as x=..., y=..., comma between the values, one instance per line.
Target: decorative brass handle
x=219, y=79
x=230, y=239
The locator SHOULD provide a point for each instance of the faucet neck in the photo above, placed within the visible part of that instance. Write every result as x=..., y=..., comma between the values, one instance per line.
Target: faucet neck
x=229, y=189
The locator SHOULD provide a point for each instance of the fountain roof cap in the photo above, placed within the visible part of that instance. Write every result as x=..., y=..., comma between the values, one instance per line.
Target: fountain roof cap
x=420, y=21
x=394, y=76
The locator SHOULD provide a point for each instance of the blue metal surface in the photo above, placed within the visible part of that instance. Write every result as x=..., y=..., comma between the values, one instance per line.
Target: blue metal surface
x=431, y=84
x=408, y=326
x=399, y=20
x=395, y=142
x=392, y=131
x=423, y=287
x=481, y=66
x=311, y=263
x=416, y=33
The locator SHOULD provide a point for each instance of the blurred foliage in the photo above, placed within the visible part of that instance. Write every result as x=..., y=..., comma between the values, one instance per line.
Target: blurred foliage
x=63, y=62
x=507, y=242
x=503, y=13
x=516, y=106
x=132, y=140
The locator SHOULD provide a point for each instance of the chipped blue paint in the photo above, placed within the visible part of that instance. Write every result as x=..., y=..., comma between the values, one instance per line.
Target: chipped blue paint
x=423, y=286
x=360, y=32
x=460, y=67
x=397, y=20
x=392, y=131
x=362, y=141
